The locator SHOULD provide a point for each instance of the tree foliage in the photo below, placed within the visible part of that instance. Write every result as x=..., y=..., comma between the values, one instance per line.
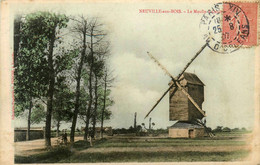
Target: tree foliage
x=56, y=80
x=38, y=114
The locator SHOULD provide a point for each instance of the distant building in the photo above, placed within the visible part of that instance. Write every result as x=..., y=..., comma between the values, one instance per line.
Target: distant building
x=35, y=133
x=186, y=130
x=106, y=130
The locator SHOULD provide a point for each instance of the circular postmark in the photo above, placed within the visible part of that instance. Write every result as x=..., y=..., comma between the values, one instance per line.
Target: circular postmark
x=225, y=27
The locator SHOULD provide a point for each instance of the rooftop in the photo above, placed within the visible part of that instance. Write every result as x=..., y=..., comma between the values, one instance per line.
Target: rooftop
x=181, y=124
x=192, y=78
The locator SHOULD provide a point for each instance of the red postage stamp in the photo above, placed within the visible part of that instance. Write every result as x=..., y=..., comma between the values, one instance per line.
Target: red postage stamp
x=239, y=23
x=227, y=26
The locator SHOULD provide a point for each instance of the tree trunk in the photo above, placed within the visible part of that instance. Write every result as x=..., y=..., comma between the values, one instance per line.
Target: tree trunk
x=86, y=132
x=50, y=92
x=104, y=105
x=95, y=107
x=90, y=83
x=29, y=121
x=76, y=111
x=88, y=114
x=17, y=38
x=58, y=129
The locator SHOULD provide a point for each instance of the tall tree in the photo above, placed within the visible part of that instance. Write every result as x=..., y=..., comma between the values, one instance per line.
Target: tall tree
x=17, y=36
x=38, y=41
x=94, y=113
x=62, y=104
x=29, y=80
x=98, y=46
x=97, y=72
x=91, y=38
x=63, y=95
x=107, y=81
x=81, y=29
x=84, y=97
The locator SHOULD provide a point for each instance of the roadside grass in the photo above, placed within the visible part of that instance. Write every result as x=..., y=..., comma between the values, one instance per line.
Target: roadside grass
x=157, y=156
x=69, y=157
x=53, y=155
x=73, y=154
x=233, y=134
x=82, y=144
x=169, y=143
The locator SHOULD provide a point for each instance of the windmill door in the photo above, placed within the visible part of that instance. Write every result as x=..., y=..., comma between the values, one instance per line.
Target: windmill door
x=191, y=133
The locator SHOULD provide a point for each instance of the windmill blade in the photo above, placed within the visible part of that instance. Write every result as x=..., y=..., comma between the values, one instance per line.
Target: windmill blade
x=205, y=127
x=184, y=69
x=187, y=65
x=159, y=64
x=158, y=101
x=176, y=82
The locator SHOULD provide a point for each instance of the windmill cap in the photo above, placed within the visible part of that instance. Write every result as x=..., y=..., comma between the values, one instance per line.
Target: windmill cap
x=191, y=78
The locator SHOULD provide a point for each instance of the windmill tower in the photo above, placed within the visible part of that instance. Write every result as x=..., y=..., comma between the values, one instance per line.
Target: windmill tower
x=186, y=98
x=182, y=110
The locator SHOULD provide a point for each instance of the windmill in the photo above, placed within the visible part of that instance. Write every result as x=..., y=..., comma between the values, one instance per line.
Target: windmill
x=191, y=123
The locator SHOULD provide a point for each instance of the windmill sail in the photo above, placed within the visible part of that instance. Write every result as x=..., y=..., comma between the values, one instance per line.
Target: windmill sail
x=176, y=83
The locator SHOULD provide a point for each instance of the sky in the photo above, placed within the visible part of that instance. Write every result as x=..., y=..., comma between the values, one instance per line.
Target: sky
x=173, y=39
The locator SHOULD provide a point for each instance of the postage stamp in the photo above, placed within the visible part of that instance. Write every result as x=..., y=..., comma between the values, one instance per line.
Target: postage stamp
x=94, y=81
x=228, y=26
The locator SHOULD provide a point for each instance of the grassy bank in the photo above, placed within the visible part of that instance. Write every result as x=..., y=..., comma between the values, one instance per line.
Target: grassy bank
x=118, y=149
x=69, y=157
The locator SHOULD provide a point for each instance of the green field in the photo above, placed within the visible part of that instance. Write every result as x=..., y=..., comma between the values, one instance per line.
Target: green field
x=224, y=147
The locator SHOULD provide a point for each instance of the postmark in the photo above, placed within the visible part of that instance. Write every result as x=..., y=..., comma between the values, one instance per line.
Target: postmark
x=225, y=27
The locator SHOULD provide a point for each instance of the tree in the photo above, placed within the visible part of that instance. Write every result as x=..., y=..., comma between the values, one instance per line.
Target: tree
x=37, y=60
x=226, y=129
x=98, y=72
x=38, y=114
x=63, y=96
x=17, y=36
x=97, y=106
x=29, y=81
x=90, y=60
x=209, y=129
x=93, y=46
x=80, y=28
x=54, y=21
x=83, y=108
x=62, y=104
x=107, y=81
x=218, y=129
x=235, y=129
x=139, y=128
x=96, y=96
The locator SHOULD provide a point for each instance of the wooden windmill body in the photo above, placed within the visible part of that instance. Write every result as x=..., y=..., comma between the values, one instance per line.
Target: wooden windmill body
x=182, y=110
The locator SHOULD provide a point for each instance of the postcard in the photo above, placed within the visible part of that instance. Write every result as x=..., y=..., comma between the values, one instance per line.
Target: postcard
x=136, y=82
